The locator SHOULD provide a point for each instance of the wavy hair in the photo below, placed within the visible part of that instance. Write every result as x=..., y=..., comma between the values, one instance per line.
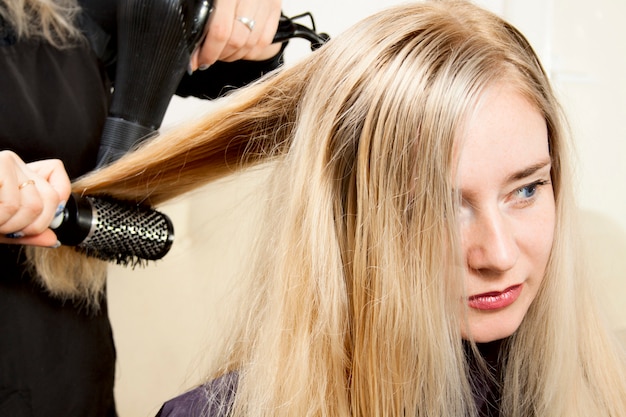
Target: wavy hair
x=353, y=293
x=49, y=20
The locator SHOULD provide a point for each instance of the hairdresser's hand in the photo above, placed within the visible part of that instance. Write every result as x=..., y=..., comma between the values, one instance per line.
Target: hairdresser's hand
x=239, y=29
x=30, y=195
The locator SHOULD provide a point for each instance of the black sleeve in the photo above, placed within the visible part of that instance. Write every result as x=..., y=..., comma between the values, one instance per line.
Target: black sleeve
x=103, y=12
x=99, y=24
x=222, y=77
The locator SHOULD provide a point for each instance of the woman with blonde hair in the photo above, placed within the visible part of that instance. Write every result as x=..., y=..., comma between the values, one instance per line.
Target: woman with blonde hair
x=417, y=254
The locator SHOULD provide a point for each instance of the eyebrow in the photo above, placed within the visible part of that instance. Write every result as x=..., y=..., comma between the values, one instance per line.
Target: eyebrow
x=527, y=172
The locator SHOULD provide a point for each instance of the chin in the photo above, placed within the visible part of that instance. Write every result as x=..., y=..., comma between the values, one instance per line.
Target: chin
x=486, y=337
x=489, y=327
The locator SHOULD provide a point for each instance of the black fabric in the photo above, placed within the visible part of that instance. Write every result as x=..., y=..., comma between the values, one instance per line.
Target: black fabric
x=57, y=359
x=486, y=387
x=53, y=104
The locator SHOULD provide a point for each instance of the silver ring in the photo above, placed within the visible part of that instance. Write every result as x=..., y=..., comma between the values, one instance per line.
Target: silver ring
x=246, y=21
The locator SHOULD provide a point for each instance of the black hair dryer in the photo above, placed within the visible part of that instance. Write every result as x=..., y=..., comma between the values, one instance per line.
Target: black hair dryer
x=155, y=41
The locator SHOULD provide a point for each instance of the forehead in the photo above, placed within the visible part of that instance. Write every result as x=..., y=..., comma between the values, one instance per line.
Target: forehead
x=506, y=133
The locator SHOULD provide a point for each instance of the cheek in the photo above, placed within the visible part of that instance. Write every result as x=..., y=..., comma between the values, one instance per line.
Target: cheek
x=540, y=237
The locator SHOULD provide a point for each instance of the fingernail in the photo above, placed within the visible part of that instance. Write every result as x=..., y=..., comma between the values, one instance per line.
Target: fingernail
x=203, y=67
x=15, y=235
x=56, y=245
x=189, y=69
x=60, y=208
x=58, y=216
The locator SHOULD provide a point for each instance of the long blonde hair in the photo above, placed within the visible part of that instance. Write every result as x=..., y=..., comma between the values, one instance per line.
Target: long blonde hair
x=352, y=307
x=49, y=20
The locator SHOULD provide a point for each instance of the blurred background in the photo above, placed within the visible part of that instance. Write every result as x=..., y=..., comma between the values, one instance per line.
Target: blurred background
x=164, y=316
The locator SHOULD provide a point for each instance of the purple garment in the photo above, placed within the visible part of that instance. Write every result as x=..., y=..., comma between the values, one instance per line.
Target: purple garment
x=214, y=399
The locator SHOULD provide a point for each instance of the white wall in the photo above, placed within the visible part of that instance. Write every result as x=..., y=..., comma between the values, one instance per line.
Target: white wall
x=164, y=315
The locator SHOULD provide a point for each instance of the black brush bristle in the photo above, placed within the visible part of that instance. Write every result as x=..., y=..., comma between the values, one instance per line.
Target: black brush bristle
x=127, y=233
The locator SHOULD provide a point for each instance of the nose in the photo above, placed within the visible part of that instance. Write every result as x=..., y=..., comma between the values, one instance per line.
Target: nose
x=489, y=242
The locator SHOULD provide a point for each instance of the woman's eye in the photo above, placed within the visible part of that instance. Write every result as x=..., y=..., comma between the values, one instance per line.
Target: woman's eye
x=529, y=191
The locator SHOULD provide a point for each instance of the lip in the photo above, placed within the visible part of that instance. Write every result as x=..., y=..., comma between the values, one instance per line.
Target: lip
x=495, y=300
